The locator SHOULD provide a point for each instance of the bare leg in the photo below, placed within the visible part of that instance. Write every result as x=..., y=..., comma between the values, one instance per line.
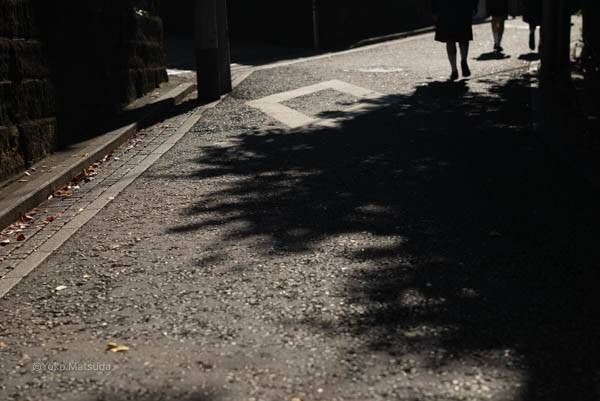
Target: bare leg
x=451, y=50
x=532, y=36
x=464, y=55
x=498, y=31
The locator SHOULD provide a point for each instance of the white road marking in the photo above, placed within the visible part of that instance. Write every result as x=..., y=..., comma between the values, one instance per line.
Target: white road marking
x=271, y=105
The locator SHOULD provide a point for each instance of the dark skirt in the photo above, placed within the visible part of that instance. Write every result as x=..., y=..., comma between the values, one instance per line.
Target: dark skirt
x=533, y=12
x=497, y=8
x=455, y=20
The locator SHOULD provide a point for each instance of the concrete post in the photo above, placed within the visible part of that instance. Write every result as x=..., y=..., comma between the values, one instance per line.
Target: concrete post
x=556, y=36
x=315, y=25
x=206, y=38
x=224, y=50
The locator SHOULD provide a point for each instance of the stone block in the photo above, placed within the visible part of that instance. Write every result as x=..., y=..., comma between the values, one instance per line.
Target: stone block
x=144, y=55
x=28, y=60
x=33, y=99
x=7, y=99
x=38, y=139
x=5, y=57
x=11, y=158
x=18, y=19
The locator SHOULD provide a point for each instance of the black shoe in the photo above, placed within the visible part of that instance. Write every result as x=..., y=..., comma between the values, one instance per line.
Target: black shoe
x=466, y=72
x=498, y=49
x=453, y=76
x=532, y=41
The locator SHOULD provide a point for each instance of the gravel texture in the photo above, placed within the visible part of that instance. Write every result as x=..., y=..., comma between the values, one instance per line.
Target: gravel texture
x=428, y=250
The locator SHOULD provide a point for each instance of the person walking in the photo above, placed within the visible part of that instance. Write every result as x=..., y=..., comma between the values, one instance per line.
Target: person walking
x=454, y=19
x=533, y=16
x=498, y=9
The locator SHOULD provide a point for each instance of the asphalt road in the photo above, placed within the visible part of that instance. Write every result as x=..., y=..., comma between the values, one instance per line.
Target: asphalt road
x=425, y=248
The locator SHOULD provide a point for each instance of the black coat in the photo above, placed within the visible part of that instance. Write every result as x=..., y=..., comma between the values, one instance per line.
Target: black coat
x=533, y=12
x=454, y=19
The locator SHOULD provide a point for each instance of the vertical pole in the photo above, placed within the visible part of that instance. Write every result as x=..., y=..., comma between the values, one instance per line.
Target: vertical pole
x=315, y=24
x=555, y=75
x=206, y=39
x=556, y=38
x=224, y=52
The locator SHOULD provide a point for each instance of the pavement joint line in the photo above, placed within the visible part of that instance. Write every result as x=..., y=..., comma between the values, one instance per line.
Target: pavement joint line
x=27, y=198
x=39, y=255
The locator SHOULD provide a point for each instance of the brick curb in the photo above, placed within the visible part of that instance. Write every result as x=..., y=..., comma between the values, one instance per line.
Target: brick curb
x=19, y=197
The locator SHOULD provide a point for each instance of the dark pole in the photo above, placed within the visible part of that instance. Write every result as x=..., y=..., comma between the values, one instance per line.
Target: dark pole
x=556, y=37
x=315, y=24
x=206, y=38
x=224, y=52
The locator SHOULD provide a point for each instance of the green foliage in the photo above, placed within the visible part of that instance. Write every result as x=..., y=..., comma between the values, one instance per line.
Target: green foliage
x=140, y=12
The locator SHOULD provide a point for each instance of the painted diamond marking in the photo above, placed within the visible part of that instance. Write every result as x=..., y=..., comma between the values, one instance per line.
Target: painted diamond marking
x=271, y=105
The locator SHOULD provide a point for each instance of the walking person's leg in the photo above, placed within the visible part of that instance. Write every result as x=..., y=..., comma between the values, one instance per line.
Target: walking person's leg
x=498, y=31
x=464, y=55
x=451, y=50
x=532, y=28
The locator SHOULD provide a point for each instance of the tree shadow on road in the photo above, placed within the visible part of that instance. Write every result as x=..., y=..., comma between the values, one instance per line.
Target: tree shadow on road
x=496, y=242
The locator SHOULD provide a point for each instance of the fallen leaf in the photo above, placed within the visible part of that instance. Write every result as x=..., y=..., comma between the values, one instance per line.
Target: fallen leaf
x=116, y=348
x=297, y=399
x=111, y=198
x=114, y=246
x=23, y=181
x=21, y=238
x=86, y=276
x=27, y=173
x=61, y=287
x=2, y=345
x=5, y=242
x=414, y=334
x=50, y=219
x=495, y=234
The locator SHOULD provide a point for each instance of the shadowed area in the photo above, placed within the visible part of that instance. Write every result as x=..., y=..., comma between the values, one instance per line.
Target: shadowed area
x=493, y=246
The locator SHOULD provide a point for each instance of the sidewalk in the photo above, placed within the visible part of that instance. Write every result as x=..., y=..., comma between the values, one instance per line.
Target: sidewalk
x=344, y=227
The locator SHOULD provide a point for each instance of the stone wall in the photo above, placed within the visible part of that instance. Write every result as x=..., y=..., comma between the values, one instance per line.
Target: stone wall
x=339, y=21
x=345, y=21
x=27, y=96
x=65, y=65
x=102, y=55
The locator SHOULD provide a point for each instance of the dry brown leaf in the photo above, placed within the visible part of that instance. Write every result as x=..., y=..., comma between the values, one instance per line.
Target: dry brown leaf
x=414, y=334
x=113, y=347
x=2, y=345
x=114, y=246
x=86, y=276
